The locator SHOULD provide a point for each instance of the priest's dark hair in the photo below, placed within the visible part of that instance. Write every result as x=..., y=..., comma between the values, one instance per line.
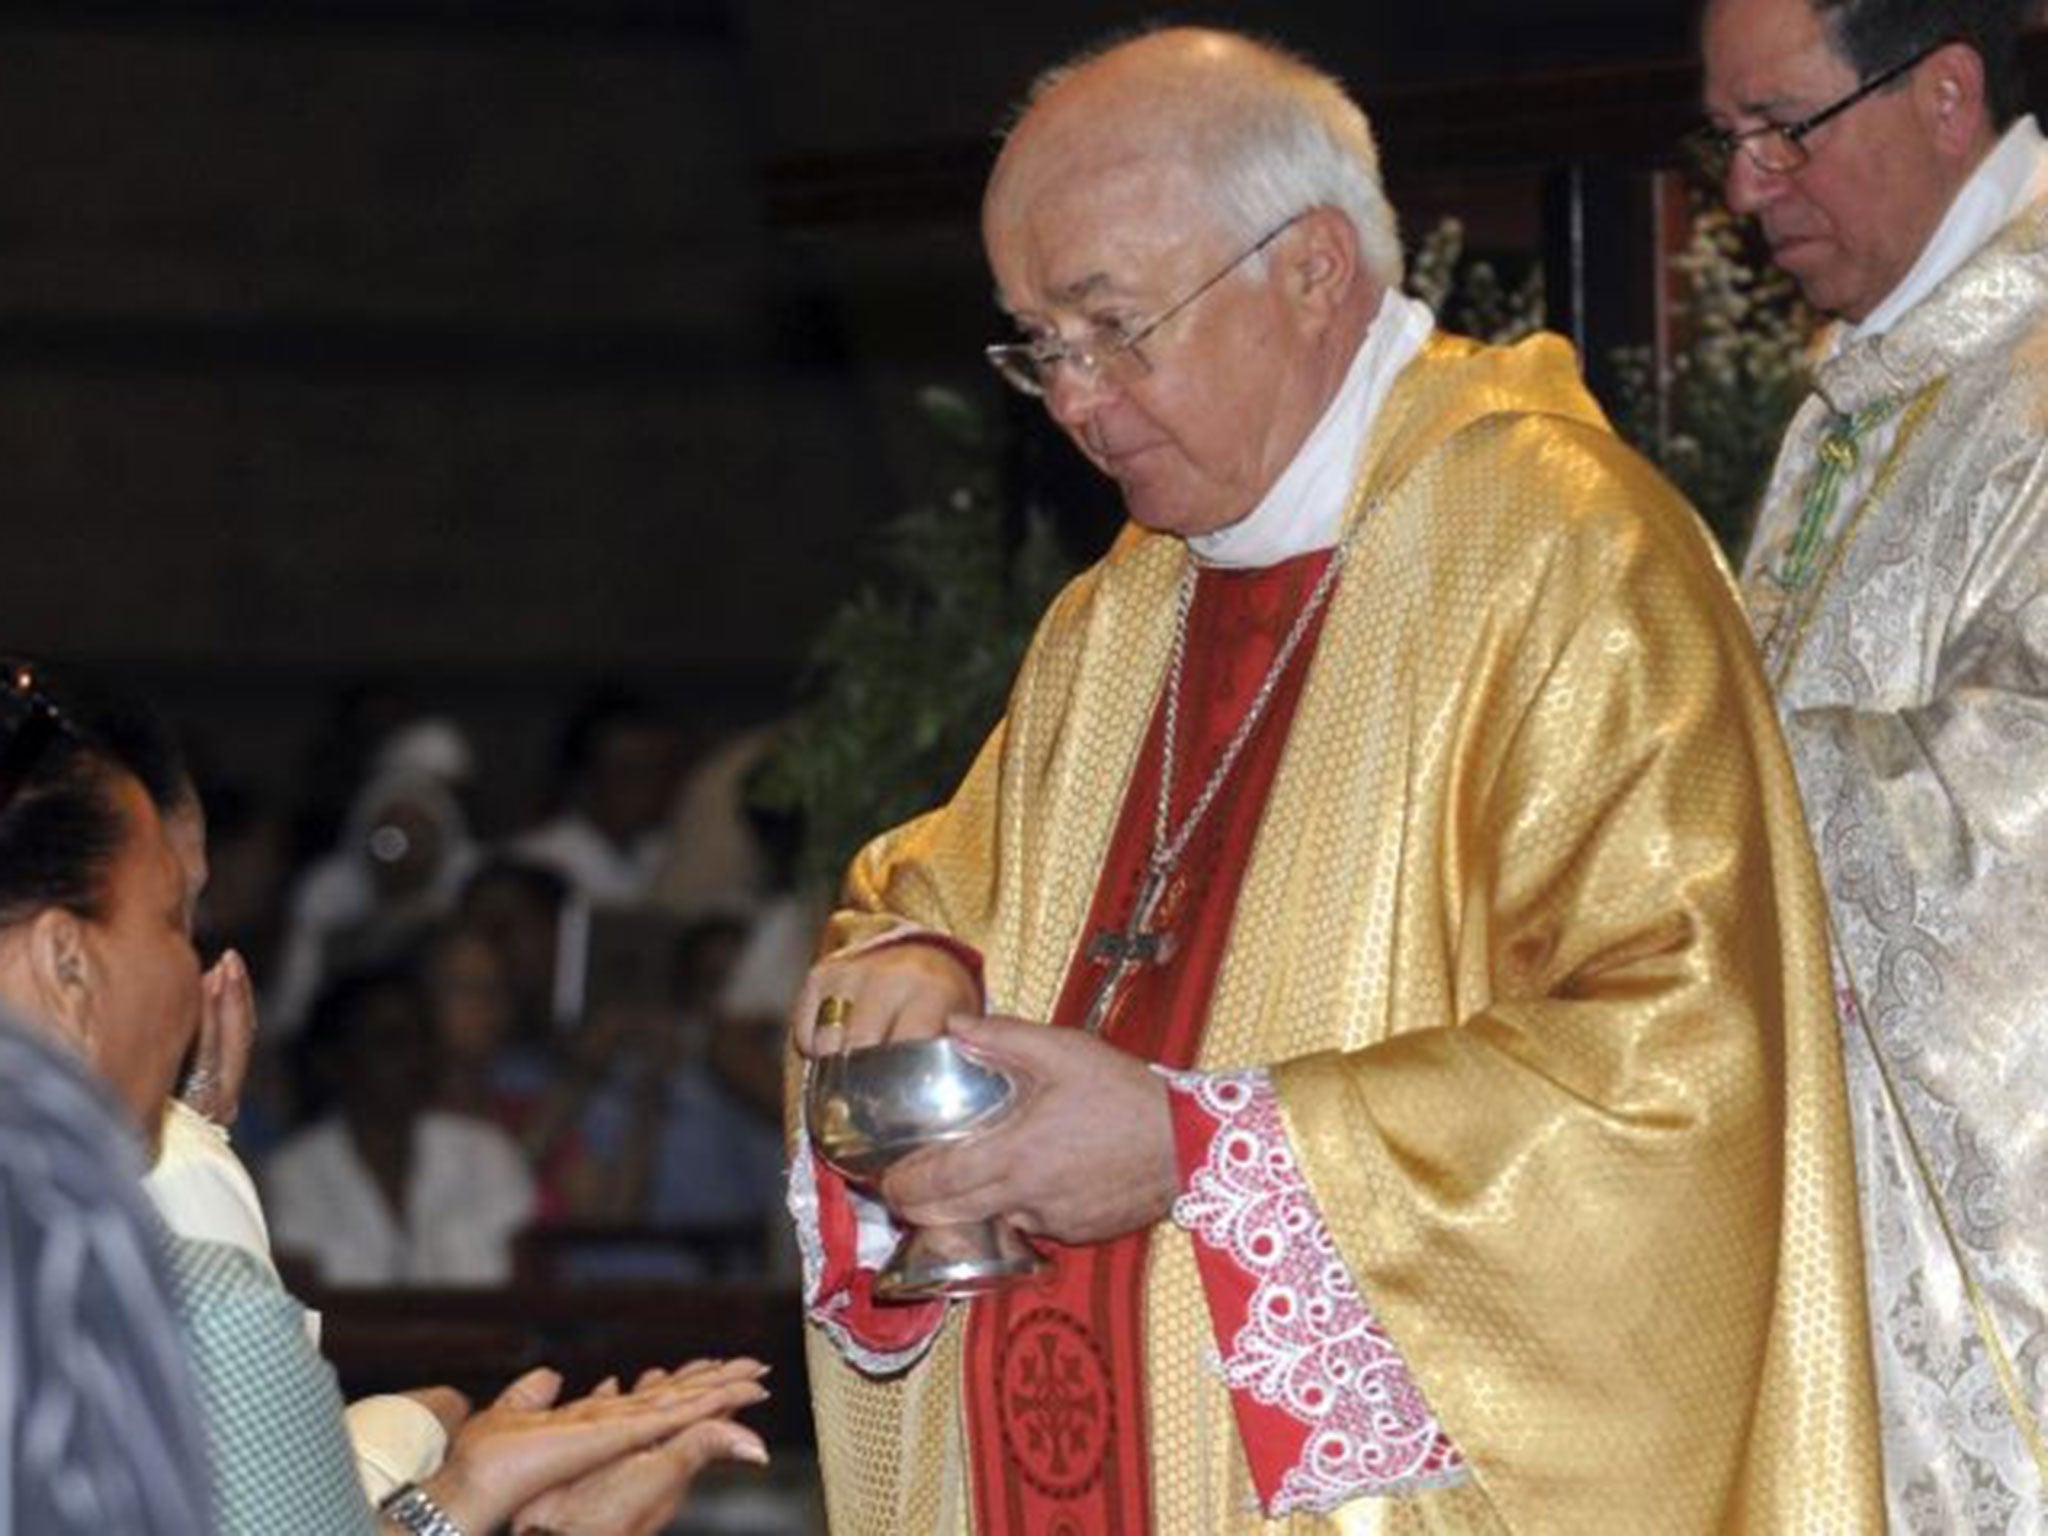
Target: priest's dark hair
x=1874, y=35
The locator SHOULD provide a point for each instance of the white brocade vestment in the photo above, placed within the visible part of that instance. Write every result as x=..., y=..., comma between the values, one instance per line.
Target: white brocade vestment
x=1912, y=674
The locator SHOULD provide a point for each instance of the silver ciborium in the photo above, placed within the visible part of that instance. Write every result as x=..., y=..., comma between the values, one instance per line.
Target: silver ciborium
x=871, y=1107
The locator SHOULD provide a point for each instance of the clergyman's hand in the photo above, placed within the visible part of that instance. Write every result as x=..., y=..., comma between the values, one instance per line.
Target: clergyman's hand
x=1087, y=1155
x=899, y=991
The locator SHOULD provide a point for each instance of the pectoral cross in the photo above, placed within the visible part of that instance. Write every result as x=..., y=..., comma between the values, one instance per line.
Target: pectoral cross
x=1124, y=949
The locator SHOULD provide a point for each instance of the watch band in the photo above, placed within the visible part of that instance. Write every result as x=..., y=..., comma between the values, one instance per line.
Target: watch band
x=409, y=1508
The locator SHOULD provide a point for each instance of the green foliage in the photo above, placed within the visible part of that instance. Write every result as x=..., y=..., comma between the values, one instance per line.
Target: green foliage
x=1468, y=295
x=1713, y=420
x=913, y=670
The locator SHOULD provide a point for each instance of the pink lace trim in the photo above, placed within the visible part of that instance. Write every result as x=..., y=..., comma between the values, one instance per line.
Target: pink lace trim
x=1310, y=1347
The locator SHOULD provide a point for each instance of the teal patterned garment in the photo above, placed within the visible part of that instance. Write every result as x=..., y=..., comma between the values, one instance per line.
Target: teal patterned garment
x=273, y=1414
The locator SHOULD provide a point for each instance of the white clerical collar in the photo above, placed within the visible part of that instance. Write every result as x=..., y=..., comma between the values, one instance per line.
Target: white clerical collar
x=2013, y=175
x=1304, y=508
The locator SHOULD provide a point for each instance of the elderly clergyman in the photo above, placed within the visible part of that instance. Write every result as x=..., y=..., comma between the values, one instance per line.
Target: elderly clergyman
x=1388, y=879
x=1898, y=581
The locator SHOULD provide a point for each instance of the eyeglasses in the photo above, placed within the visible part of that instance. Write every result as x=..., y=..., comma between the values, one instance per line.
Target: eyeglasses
x=1779, y=149
x=37, y=723
x=1109, y=351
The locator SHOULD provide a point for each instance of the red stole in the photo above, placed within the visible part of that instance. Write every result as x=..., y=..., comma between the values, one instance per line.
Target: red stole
x=1055, y=1373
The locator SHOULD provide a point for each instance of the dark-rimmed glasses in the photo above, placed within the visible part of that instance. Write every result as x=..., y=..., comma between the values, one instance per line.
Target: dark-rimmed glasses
x=1779, y=149
x=36, y=723
x=1109, y=352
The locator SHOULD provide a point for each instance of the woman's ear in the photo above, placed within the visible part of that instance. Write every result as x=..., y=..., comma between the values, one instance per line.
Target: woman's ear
x=60, y=971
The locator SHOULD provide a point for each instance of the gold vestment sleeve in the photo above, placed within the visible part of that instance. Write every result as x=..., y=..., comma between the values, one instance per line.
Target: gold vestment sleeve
x=1594, y=1173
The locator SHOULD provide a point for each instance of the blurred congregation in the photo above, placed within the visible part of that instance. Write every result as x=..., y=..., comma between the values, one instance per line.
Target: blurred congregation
x=480, y=1042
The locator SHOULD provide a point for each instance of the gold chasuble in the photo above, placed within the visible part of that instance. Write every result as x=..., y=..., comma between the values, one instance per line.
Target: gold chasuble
x=1530, y=941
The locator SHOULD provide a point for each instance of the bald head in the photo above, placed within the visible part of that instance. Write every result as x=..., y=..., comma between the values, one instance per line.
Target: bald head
x=1257, y=131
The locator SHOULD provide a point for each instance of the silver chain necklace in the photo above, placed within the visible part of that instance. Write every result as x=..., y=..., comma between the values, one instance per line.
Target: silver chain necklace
x=1133, y=945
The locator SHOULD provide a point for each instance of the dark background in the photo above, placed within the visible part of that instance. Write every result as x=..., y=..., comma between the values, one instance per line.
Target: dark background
x=498, y=344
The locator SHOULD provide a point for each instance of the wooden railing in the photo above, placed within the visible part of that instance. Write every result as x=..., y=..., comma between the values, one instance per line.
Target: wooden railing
x=478, y=1340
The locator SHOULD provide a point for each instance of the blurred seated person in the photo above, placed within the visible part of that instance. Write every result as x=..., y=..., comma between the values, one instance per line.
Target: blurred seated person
x=714, y=861
x=616, y=776
x=524, y=910
x=689, y=1118
x=781, y=944
x=674, y=1121
x=356, y=719
x=490, y=1071
x=96, y=954
x=384, y=1188
x=404, y=854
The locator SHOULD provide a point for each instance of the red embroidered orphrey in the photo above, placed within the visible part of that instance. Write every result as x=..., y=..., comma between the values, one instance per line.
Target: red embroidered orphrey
x=1092, y=1306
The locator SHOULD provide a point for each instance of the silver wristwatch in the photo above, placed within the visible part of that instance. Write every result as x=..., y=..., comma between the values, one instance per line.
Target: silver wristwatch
x=408, y=1507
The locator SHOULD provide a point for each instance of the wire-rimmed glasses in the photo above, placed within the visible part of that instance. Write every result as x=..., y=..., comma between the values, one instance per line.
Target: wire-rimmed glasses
x=1779, y=149
x=1109, y=352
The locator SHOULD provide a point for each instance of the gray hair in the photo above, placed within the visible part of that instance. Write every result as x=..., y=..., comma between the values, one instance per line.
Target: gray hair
x=1273, y=145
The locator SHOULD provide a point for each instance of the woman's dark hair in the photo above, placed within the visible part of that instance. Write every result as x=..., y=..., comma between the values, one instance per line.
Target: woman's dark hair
x=63, y=749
